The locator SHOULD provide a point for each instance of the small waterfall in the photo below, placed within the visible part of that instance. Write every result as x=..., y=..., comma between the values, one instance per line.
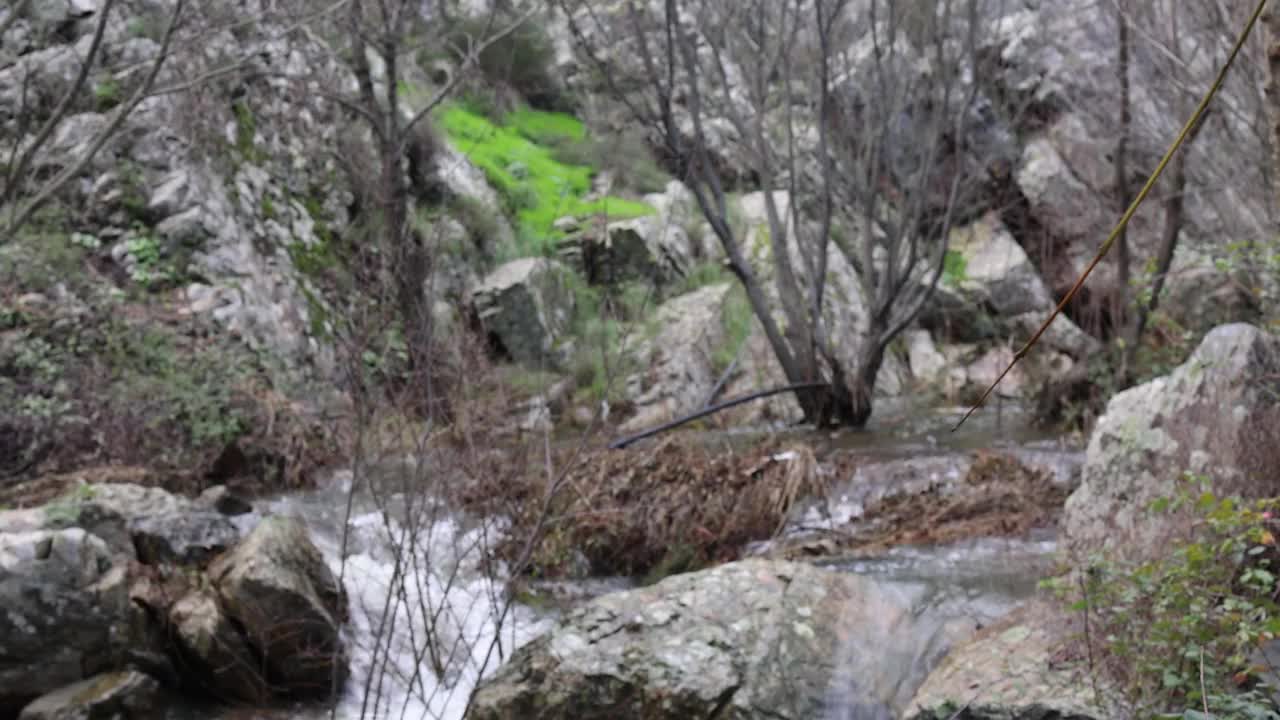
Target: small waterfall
x=426, y=620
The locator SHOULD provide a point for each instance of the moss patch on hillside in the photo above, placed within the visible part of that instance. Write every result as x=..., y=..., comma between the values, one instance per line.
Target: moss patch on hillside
x=519, y=159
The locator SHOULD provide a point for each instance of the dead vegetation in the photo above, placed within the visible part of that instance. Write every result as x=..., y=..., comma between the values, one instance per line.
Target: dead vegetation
x=998, y=497
x=655, y=510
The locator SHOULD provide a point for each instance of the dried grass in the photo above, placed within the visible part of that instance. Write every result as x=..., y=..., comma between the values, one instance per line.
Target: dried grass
x=653, y=510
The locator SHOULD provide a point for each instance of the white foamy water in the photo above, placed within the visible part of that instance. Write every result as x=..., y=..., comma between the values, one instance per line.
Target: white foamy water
x=426, y=619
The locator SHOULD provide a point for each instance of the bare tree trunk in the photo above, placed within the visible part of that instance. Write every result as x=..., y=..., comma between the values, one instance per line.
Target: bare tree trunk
x=1123, y=261
x=1174, y=217
x=1271, y=22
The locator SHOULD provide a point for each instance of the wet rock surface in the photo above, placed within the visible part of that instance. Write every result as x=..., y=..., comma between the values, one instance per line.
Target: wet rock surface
x=276, y=586
x=127, y=695
x=752, y=639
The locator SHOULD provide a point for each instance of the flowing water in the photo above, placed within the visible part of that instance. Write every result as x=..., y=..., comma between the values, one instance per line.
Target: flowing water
x=438, y=587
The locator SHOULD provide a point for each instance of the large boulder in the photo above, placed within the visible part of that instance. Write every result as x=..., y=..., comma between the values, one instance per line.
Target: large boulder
x=1217, y=415
x=747, y=640
x=276, y=587
x=124, y=695
x=525, y=306
x=66, y=611
x=646, y=249
x=217, y=656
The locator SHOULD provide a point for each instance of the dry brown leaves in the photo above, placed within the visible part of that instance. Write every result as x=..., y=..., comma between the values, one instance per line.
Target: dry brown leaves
x=662, y=508
x=999, y=497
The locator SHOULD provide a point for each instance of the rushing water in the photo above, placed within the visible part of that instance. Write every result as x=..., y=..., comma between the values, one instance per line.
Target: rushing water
x=428, y=618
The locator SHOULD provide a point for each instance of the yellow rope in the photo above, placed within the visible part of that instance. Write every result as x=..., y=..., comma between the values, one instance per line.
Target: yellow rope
x=1133, y=207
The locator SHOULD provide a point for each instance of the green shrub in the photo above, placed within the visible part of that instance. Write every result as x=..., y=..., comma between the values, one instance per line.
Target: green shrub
x=1179, y=632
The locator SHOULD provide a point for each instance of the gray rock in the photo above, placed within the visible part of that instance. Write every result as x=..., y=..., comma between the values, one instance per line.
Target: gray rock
x=641, y=249
x=66, y=611
x=747, y=640
x=170, y=195
x=676, y=372
x=191, y=538
x=276, y=586
x=126, y=695
x=526, y=305
x=221, y=499
x=215, y=655
x=1217, y=414
x=993, y=289
x=146, y=523
x=926, y=363
x=1200, y=296
x=1009, y=673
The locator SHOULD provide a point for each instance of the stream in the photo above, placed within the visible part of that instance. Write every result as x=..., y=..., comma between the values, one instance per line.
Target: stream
x=441, y=590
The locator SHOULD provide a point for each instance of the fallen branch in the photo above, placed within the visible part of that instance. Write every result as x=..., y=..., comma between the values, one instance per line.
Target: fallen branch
x=623, y=442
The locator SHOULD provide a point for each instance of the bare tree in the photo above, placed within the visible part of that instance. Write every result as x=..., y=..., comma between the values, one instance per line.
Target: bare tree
x=22, y=195
x=389, y=33
x=862, y=118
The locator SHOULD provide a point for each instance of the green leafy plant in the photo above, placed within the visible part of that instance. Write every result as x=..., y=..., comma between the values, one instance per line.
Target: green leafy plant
x=150, y=268
x=1179, y=634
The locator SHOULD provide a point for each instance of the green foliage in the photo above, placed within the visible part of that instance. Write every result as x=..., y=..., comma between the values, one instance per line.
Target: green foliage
x=133, y=192
x=1178, y=632
x=546, y=128
x=106, y=94
x=537, y=188
x=954, y=265
x=1256, y=260
x=702, y=275
x=187, y=388
x=65, y=510
x=150, y=269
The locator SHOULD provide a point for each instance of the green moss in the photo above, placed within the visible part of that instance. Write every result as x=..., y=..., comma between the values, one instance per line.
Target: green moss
x=538, y=188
